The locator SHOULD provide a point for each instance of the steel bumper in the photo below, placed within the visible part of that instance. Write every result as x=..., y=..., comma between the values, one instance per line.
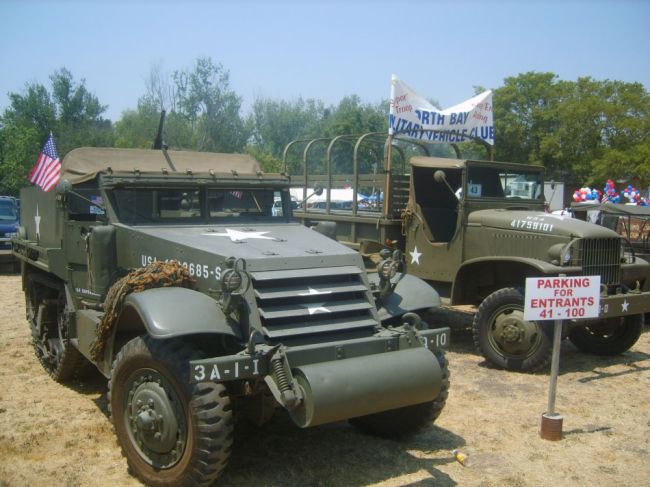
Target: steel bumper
x=243, y=365
x=329, y=382
x=624, y=304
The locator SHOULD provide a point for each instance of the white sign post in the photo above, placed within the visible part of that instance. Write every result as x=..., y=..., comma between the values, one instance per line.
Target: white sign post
x=559, y=298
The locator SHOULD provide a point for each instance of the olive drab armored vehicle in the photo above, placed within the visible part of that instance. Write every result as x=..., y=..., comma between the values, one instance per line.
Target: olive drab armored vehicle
x=475, y=230
x=174, y=275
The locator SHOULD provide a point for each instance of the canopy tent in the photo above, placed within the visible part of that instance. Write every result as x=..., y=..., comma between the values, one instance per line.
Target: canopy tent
x=346, y=194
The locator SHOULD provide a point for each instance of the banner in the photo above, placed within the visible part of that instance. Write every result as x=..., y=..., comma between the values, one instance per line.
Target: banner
x=414, y=117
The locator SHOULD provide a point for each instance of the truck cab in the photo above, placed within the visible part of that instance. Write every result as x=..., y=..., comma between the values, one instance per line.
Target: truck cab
x=475, y=230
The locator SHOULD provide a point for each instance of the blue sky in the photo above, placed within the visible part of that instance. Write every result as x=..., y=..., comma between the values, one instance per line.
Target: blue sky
x=323, y=50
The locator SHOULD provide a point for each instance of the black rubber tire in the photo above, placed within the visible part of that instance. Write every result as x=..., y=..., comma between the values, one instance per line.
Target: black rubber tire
x=501, y=304
x=52, y=347
x=204, y=410
x=608, y=337
x=406, y=421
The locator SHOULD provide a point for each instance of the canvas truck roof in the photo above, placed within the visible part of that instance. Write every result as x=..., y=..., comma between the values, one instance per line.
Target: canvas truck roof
x=447, y=163
x=85, y=163
x=437, y=162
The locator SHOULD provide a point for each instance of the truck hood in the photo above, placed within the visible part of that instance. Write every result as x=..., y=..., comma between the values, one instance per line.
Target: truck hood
x=538, y=222
x=251, y=241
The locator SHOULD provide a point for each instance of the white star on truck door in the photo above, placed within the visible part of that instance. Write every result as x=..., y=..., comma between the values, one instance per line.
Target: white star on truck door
x=37, y=222
x=624, y=306
x=415, y=256
x=237, y=236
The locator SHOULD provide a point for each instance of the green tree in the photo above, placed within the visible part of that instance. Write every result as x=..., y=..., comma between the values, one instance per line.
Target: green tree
x=69, y=111
x=276, y=123
x=582, y=131
x=137, y=128
x=79, y=120
x=521, y=116
x=211, y=107
x=203, y=112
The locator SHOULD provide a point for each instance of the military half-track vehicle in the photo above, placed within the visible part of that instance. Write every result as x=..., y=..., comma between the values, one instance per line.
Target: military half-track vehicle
x=173, y=275
x=475, y=230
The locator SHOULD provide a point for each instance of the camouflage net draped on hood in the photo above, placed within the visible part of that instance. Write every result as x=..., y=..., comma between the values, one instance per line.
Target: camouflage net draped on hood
x=157, y=274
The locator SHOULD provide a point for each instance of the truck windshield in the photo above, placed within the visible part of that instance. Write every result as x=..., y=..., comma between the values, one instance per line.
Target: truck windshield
x=8, y=211
x=193, y=205
x=492, y=182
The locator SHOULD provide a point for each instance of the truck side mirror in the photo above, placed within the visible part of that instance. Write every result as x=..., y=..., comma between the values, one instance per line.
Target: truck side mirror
x=318, y=190
x=441, y=177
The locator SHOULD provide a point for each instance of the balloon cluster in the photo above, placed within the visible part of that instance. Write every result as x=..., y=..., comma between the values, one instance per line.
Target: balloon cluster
x=609, y=192
x=633, y=196
x=586, y=194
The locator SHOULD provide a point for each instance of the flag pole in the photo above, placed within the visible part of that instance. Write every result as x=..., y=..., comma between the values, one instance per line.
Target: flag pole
x=389, y=149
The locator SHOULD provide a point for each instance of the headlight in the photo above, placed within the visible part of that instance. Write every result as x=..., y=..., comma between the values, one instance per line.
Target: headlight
x=11, y=234
x=627, y=252
x=231, y=281
x=560, y=254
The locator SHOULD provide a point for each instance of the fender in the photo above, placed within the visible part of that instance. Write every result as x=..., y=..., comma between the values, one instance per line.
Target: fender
x=175, y=311
x=536, y=267
x=410, y=294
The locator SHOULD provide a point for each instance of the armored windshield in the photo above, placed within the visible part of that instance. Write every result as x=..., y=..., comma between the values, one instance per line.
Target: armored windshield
x=494, y=182
x=194, y=205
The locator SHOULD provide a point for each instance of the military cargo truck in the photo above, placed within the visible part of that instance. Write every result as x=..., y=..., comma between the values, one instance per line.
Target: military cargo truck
x=173, y=275
x=475, y=230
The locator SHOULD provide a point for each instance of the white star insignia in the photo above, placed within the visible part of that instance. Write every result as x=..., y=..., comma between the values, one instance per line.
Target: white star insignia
x=415, y=256
x=237, y=236
x=313, y=292
x=316, y=308
x=624, y=306
x=37, y=221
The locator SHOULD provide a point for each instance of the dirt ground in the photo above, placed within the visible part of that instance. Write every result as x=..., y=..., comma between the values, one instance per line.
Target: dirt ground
x=61, y=434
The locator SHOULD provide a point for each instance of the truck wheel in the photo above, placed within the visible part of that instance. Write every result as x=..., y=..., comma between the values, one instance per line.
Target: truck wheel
x=408, y=420
x=505, y=339
x=47, y=313
x=171, y=432
x=608, y=337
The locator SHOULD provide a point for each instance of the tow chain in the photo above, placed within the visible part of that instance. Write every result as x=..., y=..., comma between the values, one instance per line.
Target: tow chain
x=157, y=274
x=407, y=218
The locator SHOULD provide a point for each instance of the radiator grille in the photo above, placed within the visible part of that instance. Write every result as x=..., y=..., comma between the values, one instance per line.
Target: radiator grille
x=298, y=304
x=600, y=257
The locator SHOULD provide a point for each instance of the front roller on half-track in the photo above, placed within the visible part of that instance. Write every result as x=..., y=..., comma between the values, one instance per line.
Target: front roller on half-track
x=505, y=339
x=47, y=314
x=398, y=423
x=172, y=433
x=608, y=337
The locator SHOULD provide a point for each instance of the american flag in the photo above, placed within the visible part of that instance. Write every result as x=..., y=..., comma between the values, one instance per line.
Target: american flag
x=47, y=170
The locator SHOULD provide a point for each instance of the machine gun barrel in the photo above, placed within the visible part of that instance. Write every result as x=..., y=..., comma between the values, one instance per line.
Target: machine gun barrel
x=158, y=141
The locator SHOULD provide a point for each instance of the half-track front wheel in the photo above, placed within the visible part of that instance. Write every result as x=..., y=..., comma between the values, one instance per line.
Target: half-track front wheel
x=406, y=421
x=47, y=313
x=171, y=432
x=505, y=339
x=608, y=337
